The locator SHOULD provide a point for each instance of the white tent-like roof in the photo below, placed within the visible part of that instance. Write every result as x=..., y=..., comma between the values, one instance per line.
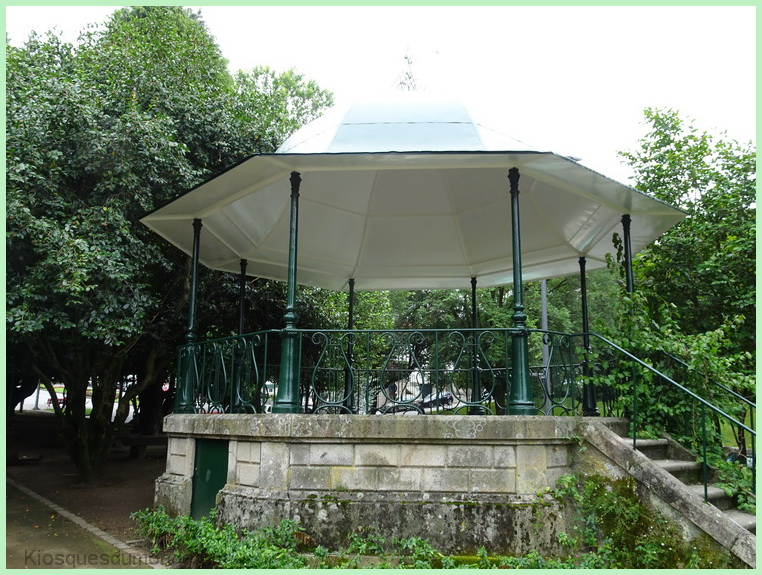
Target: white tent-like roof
x=408, y=193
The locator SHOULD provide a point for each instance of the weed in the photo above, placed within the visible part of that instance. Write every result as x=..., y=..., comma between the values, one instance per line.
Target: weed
x=737, y=481
x=614, y=530
x=202, y=544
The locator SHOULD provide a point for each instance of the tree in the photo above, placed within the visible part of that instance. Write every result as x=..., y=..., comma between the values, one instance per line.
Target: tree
x=695, y=288
x=704, y=266
x=273, y=106
x=451, y=309
x=71, y=250
x=98, y=135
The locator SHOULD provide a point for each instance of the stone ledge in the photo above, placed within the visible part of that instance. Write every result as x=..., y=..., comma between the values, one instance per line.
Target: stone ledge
x=444, y=429
x=401, y=496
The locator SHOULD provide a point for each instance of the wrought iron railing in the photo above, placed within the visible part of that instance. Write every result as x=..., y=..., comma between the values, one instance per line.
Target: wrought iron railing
x=466, y=371
x=227, y=375
x=462, y=371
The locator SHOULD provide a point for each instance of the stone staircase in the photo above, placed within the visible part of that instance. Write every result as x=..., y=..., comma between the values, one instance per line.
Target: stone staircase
x=680, y=463
x=668, y=475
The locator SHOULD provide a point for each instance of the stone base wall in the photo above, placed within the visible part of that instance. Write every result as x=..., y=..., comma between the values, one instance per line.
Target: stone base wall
x=452, y=522
x=459, y=481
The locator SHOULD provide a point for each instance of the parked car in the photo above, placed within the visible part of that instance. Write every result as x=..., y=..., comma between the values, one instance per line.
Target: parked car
x=437, y=399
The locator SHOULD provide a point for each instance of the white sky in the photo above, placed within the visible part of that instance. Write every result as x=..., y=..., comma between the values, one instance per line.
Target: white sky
x=569, y=79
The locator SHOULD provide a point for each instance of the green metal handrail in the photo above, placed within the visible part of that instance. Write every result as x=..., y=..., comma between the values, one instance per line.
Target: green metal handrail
x=669, y=380
x=723, y=387
x=744, y=400
x=705, y=405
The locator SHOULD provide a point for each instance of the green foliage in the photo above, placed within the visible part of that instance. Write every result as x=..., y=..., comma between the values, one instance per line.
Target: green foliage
x=704, y=266
x=709, y=364
x=451, y=309
x=156, y=526
x=626, y=533
x=140, y=110
x=432, y=309
x=692, y=315
x=737, y=480
x=268, y=94
x=614, y=531
x=201, y=544
x=417, y=553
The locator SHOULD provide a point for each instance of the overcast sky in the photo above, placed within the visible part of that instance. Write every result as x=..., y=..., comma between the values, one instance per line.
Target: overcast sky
x=569, y=79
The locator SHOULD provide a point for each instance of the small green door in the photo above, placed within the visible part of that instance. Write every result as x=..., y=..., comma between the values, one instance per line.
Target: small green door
x=210, y=473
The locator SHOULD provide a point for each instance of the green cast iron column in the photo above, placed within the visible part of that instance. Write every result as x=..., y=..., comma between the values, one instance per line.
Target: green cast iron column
x=626, y=220
x=187, y=372
x=287, y=400
x=589, y=404
x=190, y=331
x=351, y=307
x=348, y=375
x=241, y=297
x=521, y=401
x=476, y=388
x=235, y=400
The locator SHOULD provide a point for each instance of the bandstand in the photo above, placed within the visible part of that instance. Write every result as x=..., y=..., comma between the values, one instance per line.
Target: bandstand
x=401, y=193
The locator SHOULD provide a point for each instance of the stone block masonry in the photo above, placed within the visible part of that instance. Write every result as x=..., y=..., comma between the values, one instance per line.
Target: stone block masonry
x=459, y=481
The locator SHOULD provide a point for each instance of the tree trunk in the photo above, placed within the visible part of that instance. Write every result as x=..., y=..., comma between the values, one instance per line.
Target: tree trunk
x=78, y=365
x=150, y=377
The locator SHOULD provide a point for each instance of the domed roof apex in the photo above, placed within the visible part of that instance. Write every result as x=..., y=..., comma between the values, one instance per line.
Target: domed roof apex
x=399, y=122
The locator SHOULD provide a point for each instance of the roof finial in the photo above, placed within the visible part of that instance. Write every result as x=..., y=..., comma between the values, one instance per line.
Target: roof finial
x=406, y=80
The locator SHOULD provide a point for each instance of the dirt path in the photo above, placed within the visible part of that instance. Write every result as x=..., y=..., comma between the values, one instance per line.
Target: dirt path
x=124, y=486
x=41, y=535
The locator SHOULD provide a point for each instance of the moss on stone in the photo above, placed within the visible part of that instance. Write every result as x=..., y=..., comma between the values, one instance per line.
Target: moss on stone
x=611, y=517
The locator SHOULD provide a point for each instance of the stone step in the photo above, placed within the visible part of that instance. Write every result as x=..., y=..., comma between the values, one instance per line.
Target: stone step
x=653, y=448
x=716, y=496
x=745, y=520
x=686, y=471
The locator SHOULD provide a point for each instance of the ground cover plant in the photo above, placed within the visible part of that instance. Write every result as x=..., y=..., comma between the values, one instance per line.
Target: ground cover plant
x=613, y=529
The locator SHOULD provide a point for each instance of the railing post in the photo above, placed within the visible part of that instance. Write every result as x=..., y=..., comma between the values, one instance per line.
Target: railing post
x=521, y=401
x=753, y=452
x=589, y=403
x=287, y=400
x=186, y=377
x=547, y=404
x=703, y=452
